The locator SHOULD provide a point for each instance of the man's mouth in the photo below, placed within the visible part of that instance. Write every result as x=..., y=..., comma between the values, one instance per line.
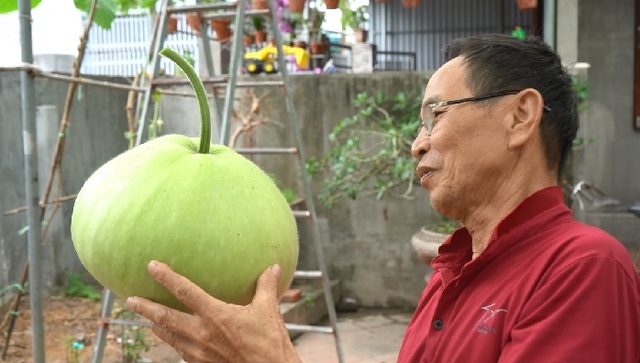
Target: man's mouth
x=424, y=172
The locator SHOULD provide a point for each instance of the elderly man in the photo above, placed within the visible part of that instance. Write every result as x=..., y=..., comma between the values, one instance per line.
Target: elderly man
x=521, y=282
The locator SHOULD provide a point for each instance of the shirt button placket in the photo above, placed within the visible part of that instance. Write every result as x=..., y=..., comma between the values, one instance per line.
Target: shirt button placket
x=438, y=324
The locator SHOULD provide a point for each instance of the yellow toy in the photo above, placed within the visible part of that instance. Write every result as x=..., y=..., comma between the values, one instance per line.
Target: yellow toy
x=263, y=60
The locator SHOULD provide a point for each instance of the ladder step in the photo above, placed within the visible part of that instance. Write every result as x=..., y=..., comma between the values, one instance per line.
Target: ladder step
x=307, y=274
x=301, y=213
x=127, y=322
x=266, y=150
x=309, y=328
x=214, y=81
x=231, y=14
x=200, y=8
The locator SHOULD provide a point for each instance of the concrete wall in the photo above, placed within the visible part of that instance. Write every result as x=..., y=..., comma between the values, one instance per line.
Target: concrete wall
x=95, y=135
x=366, y=242
x=605, y=40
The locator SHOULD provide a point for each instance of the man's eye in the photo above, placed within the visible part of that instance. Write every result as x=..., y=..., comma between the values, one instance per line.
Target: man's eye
x=438, y=113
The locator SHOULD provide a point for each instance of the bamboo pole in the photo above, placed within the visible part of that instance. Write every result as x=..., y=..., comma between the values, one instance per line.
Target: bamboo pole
x=65, y=198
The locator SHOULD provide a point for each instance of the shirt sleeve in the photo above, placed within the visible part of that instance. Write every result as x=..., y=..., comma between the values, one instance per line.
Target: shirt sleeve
x=587, y=312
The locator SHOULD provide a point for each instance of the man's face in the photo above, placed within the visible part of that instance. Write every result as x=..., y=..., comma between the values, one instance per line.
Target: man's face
x=463, y=158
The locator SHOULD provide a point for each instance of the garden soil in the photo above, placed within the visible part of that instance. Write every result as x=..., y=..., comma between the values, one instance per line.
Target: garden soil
x=74, y=319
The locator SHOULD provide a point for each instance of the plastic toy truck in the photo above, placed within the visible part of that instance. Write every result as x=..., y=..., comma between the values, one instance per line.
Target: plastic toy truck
x=264, y=59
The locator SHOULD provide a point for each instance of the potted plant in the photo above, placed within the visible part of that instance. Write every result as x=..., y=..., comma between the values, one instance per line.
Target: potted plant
x=331, y=4
x=260, y=34
x=247, y=36
x=370, y=155
x=357, y=20
x=317, y=44
x=221, y=26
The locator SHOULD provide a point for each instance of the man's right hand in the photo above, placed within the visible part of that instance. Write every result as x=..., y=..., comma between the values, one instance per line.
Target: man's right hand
x=217, y=331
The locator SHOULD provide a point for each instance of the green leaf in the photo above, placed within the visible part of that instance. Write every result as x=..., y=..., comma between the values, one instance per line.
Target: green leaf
x=105, y=11
x=7, y=6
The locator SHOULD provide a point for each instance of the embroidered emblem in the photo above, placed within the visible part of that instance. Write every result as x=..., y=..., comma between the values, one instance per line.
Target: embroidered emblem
x=485, y=324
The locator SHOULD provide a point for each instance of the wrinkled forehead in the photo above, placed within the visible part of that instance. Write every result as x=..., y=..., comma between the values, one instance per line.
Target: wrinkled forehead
x=447, y=82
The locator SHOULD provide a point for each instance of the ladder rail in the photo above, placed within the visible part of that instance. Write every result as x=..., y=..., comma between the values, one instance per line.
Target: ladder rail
x=236, y=58
x=308, y=193
x=155, y=68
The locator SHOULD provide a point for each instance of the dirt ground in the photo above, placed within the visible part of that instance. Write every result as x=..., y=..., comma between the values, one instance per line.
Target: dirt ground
x=73, y=319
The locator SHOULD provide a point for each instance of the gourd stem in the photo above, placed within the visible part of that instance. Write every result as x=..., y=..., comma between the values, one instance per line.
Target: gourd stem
x=201, y=96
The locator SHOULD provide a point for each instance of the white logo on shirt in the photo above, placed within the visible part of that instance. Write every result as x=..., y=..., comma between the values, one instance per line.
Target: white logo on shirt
x=485, y=324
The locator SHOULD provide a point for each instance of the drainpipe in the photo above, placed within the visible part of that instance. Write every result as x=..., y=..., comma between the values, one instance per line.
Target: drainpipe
x=28, y=97
x=549, y=23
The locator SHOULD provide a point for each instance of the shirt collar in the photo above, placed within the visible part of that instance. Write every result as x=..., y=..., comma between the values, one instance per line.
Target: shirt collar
x=455, y=252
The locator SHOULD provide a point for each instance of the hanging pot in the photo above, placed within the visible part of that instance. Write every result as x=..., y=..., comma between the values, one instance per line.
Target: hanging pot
x=194, y=21
x=172, y=25
x=222, y=27
x=410, y=3
x=296, y=6
x=259, y=4
x=527, y=4
x=331, y=4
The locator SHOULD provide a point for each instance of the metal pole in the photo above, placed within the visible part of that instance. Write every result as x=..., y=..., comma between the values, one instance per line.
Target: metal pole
x=103, y=329
x=236, y=54
x=31, y=184
x=308, y=193
x=549, y=23
x=155, y=67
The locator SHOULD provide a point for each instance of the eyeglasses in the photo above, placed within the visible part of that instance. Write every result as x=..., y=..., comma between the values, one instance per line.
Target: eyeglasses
x=430, y=120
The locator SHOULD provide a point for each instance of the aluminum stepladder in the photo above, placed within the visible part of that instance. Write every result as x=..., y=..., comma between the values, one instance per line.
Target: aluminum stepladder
x=224, y=116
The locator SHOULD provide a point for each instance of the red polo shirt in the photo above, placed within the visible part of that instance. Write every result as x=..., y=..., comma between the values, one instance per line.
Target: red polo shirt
x=546, y=289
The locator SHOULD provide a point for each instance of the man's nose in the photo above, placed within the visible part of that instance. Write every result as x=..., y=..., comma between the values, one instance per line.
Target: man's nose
x=421, y=145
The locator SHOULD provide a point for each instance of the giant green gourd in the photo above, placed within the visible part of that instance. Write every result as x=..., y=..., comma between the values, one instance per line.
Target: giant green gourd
x=207, y=211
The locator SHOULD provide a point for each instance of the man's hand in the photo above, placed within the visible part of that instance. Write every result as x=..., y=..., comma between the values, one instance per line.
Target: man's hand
x=217, y=331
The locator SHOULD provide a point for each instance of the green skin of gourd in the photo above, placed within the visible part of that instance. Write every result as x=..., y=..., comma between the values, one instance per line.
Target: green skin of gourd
x=215, y=218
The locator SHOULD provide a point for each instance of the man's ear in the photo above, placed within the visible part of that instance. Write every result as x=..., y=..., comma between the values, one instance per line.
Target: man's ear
x=526, y=115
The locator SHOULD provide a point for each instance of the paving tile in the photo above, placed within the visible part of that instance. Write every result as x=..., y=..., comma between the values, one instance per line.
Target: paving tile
x=373, y=337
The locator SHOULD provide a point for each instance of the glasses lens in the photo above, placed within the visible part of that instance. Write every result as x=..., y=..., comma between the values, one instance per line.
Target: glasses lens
x=428, y=119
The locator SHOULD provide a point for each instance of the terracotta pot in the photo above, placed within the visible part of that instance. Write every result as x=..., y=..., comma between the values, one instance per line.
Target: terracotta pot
x=247, y=40
x=260, y=36
x=296, y=6
x=172, y=25
x=222, y=27
x=318, y=47
x=194, y=21
x=331, y=4
x=259, y=4
x=360, y=35
x=410, y=3
x=527, y=4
